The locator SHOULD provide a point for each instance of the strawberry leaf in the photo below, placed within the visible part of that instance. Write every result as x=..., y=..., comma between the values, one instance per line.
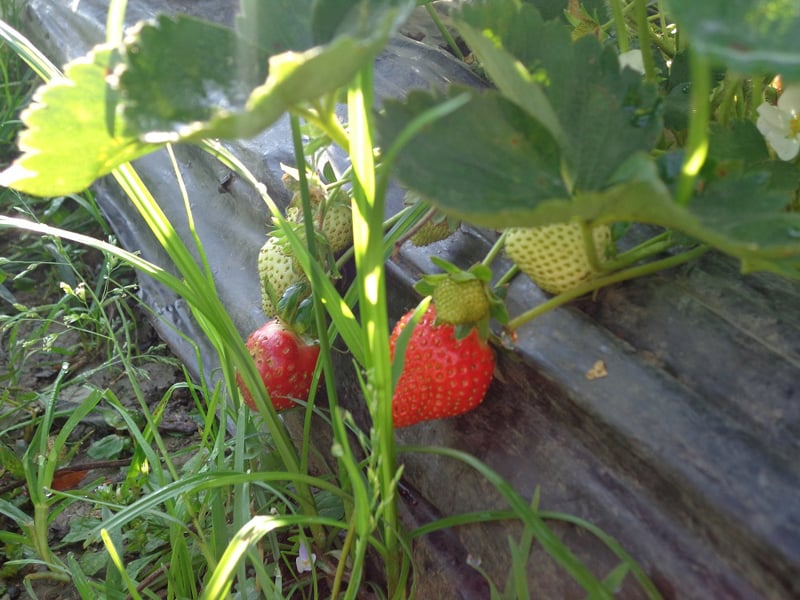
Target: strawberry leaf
x=746, y=36
x=599, y=114
x=347, y=33
x=184, y=75
x=505, y=162
x=181, y=79
x=276, y=25
x=70, y=117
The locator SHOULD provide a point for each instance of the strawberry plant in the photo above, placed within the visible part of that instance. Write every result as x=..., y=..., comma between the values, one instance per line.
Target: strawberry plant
x=579, y=134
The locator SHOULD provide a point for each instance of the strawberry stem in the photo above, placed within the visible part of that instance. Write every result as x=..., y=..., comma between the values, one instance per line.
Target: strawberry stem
x=590, y=248
x=601, y=282
x=643, y=31
x=507, y=276
x=496, y=248
x=697, y=143
x=655, y=245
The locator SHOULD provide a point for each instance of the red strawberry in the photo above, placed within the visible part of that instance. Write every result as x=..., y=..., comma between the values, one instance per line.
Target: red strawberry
x=442, y=376
x=285, y=362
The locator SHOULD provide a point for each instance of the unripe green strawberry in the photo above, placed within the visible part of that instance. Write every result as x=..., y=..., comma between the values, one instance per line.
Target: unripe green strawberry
x=431, y=232
x=461, y=302
x=277, y=270
x=338, y=226
x=554, y=256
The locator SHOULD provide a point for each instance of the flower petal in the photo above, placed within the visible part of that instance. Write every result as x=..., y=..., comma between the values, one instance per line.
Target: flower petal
x=789, y=102
x=772, y=119
x=632, y=59
x=786, y=147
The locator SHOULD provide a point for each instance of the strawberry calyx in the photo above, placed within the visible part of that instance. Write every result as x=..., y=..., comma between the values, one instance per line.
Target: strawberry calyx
x=464, y=299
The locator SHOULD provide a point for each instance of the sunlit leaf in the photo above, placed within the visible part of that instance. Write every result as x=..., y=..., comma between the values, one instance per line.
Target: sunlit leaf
x=69, y=118
x=180, y=79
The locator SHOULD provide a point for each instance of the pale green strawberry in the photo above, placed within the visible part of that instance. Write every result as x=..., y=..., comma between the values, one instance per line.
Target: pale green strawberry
x=431, y=232
x=554, y=256
x=338, y=226
x=278, y=270
x=461, y=302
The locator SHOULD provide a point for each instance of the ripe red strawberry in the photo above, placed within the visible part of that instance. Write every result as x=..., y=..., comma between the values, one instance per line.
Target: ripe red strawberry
x=285, y=362
x=442, y=376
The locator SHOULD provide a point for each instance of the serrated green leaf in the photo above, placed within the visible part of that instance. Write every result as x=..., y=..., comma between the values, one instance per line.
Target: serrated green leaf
x=182, y=79
x=276, y=25
x=504, y=59
x=181, y=72
x=746, y=36
x=486, y=162
x=79, y=529
x=598, y=113
x=741, y=140
x=71, y=117
x=329, y=505
x=227, y=87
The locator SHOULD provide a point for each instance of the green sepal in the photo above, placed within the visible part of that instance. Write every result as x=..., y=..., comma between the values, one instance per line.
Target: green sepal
x=426, y=285
x=304, y=322
x=463, y=330
x=289, y=303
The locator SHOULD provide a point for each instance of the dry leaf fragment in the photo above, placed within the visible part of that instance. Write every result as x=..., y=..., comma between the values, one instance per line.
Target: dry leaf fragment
x=597, y=371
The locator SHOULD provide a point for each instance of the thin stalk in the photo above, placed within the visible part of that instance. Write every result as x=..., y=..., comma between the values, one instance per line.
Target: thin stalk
x=496, y=249
x=654, y=245
x=508, y=276
x=620, y=26
x=600, y=282
x=697, y=141
x=345, y=552
x=328, y=122
x=643, y=31
x=663, y=43
x=444, y=31
x=590, y=248
x=732, y=89
x=756, y=97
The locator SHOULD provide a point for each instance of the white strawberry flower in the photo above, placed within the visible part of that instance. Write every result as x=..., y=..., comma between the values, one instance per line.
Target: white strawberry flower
x=780, y=124
x=632, y=59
